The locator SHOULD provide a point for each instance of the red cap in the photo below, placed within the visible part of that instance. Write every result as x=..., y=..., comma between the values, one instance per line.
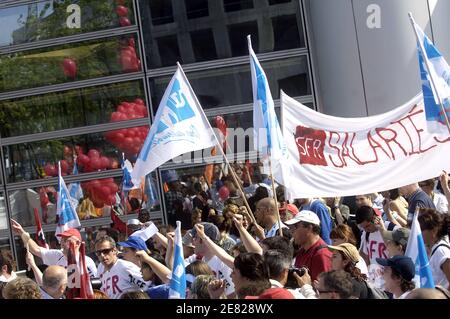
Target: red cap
x=290, y=207
x=71, y=232
x=274, y=293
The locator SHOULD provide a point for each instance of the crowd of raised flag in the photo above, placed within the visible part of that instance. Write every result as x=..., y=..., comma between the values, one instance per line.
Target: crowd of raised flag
x=264, y=239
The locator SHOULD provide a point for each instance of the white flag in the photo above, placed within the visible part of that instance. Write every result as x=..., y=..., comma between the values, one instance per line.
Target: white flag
x=179, y=127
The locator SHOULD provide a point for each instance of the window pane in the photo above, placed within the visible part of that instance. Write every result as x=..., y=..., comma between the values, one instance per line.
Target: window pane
x=96, y=152
x=70, y=62
x=50, y=19
x=3, y=216
x=196, y=8
x=96, y=198
x=274, y=2
x=74, y=108
x=161, y=11
x=183, y=37
x=236, y=5
x=233, y=85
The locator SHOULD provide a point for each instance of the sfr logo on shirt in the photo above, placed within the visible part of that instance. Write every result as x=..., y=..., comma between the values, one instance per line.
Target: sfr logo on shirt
x=376, y=247
x=111, y=283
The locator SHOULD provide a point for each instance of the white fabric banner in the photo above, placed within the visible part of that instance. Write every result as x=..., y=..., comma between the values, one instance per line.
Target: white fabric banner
x=335, y=156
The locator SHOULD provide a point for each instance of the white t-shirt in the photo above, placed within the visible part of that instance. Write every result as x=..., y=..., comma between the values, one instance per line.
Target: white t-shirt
x=56, y=257
x=12, y=277
x=441, y=203
x=361, y=265
x=122, y=277
x=439, y=256
x=374, y=248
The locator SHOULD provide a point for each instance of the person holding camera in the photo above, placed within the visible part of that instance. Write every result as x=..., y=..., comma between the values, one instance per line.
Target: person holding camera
x=305, y=228
x=282, y=275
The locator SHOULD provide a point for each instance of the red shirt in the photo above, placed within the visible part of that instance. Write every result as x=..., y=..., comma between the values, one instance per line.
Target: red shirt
x=316, y=259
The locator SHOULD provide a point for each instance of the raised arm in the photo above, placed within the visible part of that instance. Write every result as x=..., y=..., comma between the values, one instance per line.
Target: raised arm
x=159, y=269
x=214, y=248
x=250, y=243
x=27, y=241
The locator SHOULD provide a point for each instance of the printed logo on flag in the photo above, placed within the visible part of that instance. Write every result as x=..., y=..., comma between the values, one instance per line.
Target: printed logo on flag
x=311, y=145
x=176, y=109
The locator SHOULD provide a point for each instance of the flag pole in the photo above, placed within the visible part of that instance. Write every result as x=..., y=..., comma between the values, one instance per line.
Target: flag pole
x=218, y=145
x=425, y=58
x=275, y=196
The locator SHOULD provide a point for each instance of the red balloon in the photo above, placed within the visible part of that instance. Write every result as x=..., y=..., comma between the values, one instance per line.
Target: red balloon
x=93, y=153
x=83, y=159
x=132, y=42
x=78, y=149
x=139, y=101
x=113, y=188
x=111, y=200
x=224, y=193
x=121, y=11
x=124, y=22
x=50, y=170
x=104, y=162
x=95, y=163
x=64, y=166
x=98, y=204
x=121, y=109
x=69, y=68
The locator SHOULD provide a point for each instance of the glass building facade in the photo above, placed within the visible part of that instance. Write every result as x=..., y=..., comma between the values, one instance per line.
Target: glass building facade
x=85, y=78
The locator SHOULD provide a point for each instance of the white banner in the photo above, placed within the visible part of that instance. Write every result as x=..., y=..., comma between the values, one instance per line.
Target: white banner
x=334, y=156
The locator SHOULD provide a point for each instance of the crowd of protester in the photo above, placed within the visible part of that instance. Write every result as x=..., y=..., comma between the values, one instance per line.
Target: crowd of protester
x=236, y=247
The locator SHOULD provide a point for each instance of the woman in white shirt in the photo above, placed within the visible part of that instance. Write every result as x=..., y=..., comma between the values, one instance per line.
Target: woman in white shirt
x=435, y=230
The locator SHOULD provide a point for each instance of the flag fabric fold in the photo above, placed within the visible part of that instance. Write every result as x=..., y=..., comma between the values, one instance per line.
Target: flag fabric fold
x=435, y=76
x=177, y=288
x=179, y=127
x=40, y=237
x=415, y=249
x=67, y=216
x=268, y=139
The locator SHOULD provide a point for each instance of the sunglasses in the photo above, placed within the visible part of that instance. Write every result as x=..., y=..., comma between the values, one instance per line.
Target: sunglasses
x=104, y=251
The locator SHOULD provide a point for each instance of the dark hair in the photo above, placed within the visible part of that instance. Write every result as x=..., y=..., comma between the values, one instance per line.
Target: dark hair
x=394, y=194
x=252, y=266
x=260, y=193
x=364, y=214
x=279, y=243
x=239, y=246
x=338, y=281
x=155, y=280
x=344, y=232
x=280, y=193
x=134, y=295
x=430, y=219
x=405, y=285
x=6, y=258
x=222, y=223
x=276, y=262
x=106, y=238
x=253, y=289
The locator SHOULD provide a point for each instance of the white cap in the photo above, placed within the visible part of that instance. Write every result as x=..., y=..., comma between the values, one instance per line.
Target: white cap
x=306, y=216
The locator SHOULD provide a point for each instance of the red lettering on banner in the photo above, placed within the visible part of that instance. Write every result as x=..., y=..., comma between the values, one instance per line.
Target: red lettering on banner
x=374, y=145
x=345, y=150
x=388, y=140
x=336, y=148
x=443, y=141
x=310, y=144
x=115, y=280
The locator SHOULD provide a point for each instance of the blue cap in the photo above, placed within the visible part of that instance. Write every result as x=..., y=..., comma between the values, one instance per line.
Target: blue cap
x=402, y=264
x=134, y=242
x=159, y=292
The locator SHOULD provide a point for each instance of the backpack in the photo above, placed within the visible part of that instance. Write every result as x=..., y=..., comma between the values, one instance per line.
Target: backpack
x=374, y=292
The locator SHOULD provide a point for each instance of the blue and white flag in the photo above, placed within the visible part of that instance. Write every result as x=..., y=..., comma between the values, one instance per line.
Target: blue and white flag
x=268, y=139
x=67, y=216
x=437, y=72
x=149, y=189
x=127, y=183
x=177, y=288
x=180, y=126
x=75, y=190
x=415, y=249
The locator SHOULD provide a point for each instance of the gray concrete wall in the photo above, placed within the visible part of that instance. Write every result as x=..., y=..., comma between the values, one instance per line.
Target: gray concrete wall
x=362, y=70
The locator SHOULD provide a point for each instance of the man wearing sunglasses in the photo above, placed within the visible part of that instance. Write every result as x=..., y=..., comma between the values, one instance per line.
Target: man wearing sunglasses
x=55, y=256
x=116, y=275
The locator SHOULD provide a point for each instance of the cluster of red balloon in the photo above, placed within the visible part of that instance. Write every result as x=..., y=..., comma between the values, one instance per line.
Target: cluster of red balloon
x=101, y=191
x=128, y=57
x=93, y=161
x=69, y=67
x=129, y=140
x=122, y=12
x=51, y=169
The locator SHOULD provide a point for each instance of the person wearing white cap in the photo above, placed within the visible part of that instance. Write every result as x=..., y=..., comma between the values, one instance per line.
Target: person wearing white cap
x=305, y=228
x=316, y=206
